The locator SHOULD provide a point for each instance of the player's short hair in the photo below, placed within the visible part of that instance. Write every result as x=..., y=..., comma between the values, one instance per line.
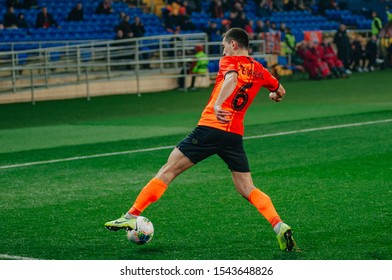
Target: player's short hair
x=239, y=35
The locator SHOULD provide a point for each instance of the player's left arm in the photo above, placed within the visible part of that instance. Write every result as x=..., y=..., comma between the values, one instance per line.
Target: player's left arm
x=228, y=86
x=278, y=95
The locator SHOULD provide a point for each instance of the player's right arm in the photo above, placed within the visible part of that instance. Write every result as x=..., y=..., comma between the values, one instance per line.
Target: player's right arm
x=228, y=86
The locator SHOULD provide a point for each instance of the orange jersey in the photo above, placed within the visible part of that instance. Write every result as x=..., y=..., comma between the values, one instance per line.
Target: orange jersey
x=251, y=77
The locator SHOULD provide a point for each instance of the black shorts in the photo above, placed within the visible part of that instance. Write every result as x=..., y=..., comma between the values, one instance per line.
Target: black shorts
x=205, y=141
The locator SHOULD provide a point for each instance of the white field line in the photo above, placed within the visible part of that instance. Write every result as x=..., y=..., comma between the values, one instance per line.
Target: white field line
x=171, y=147
x=10, y=257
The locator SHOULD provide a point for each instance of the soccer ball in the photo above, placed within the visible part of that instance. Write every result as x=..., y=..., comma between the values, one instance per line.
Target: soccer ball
x=143, y=231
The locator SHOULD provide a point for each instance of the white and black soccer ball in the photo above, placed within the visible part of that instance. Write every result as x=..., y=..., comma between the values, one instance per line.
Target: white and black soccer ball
x=143, y=231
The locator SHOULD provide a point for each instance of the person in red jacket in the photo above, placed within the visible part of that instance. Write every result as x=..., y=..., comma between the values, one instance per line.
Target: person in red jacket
x=328, y=55
x=313, y=64
x=309, y=65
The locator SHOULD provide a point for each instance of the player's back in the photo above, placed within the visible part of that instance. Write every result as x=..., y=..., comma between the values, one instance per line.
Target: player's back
x=251, y=77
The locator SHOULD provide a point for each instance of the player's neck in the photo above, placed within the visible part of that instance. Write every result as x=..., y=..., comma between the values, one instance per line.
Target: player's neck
x=241, y=53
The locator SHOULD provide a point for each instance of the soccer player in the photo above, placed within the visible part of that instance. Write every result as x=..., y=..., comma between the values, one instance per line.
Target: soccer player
x=220, y=131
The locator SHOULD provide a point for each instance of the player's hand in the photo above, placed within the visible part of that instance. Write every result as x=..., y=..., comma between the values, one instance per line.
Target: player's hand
x=275, y=96
x=223, y=116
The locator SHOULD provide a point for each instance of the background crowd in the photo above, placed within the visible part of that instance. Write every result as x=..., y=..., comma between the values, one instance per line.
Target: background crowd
x=334, y=56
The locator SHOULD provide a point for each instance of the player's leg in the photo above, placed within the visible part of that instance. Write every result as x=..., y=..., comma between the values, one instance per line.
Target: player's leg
x=263, y=203
x=176, y=164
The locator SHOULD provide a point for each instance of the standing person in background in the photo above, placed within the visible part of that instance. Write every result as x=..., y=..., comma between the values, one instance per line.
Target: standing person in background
x=388, y=14
x=372, y=52
x=138, y=30
x=220, y=132
x=342, y=42
x=376, y=24
x=198, y=67
x=290, y=43
x=358, y=54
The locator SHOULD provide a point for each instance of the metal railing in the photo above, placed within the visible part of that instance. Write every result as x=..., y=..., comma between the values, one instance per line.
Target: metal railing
x=163, y=56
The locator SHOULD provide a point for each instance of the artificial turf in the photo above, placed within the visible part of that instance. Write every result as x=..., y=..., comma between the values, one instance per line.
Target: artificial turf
x=332, y=185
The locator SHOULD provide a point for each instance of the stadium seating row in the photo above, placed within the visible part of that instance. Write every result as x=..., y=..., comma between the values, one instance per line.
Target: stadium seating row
x=102, y=26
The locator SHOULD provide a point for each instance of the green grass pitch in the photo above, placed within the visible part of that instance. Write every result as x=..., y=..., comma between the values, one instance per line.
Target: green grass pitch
x=332, y=185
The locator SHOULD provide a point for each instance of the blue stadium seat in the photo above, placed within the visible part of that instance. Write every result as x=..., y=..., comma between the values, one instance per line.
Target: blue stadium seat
x=55, y=56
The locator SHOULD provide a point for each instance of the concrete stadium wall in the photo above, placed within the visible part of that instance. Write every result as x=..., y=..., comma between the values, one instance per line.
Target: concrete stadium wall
x=99, y=88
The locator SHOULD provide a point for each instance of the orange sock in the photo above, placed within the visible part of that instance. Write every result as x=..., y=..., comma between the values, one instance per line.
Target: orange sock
x=264, y=205
x=149, y=194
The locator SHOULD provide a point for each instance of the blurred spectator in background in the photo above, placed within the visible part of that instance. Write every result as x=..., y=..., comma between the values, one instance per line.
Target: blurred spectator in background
x=327, y=5
x=264, y=8
x=14, y=3
x=105, y=7
x=132, y=3
x=125, y=27
x=289, y=46
x=329, y=56
x=282, y=27
x=278, y=5
x=216, y=9
x=240, y=20
x=376, y=24
x=342, y=42
x=119, y=35
x=213, y=31
x=308, y=63
x=268, y=26
x=137, y=27
x=388, y=14
x=186, y=24
x=169, y=20
x=76, y=13
x=289, y=5
x=314, y=54
x=234, y=19
x=28, y=4
x=45, y=19
x=250, y=30
x=10, y=18
x=260, y=27
x=188, y=6
x=226, y=25
x=121, y=16
x=198, y=67
x=22, y=23
x=358, y=54
x=122, y=52
x=312, y=62
x=274, y=28
x=372, y=52
x=174, y=42
x=138, y=30
x=238, y=6
x=386, y=48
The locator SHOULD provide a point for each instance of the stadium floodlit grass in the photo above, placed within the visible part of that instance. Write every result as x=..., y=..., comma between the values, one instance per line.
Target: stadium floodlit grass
x=333, y=186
